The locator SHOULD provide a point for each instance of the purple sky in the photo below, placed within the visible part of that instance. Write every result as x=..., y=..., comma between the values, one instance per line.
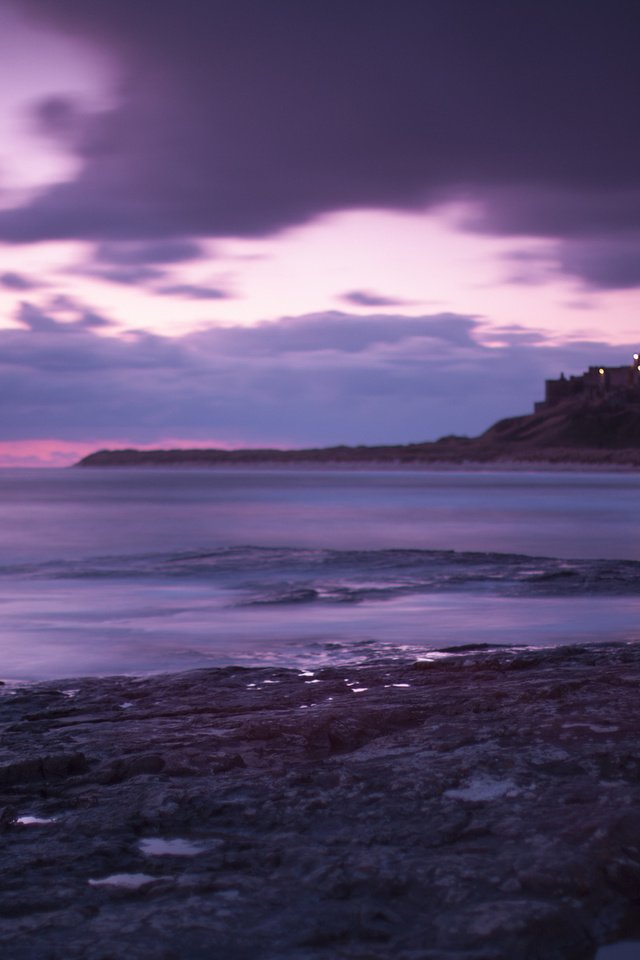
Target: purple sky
x=248, y=223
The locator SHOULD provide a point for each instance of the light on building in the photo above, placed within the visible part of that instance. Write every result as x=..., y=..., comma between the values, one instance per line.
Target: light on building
x=636, y=357
x=638, y=368
x=601, y=371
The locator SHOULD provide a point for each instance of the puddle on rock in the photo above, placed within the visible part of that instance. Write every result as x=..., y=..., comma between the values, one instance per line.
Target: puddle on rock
x=126, y=881
x=480, y=789
x=28, y=821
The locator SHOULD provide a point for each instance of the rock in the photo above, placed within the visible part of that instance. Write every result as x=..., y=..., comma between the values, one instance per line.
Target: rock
x=42, y=768
x=126, y=767
x=483, y=807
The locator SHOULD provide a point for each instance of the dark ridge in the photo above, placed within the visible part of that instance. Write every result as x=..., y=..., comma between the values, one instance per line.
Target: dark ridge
x=587, y=430
x=610, y=423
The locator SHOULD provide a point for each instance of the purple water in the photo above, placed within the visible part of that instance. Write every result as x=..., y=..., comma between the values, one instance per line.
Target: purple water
x=109, y=571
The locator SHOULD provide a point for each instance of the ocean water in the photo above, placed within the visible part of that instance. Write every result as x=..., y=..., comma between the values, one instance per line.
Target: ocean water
x=139, y=571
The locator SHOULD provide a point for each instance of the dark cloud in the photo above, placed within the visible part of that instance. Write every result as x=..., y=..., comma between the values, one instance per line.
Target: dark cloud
x=370, y=380
x=133, y=262
x=193, y=291
x=603, y=262
x=130, y=276
x=35, y=319
x=61, y=118
x=133, y=254
x=572, y=212
x=515, y=334
x=531, y=267
x=17, y=281
x=597, y=233
x=367, y=298
x=332, y=332
x=39, y=320
x=240, y=117
x=90, y=320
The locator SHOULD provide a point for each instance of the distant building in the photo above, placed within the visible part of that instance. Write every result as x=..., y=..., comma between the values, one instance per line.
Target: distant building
x=595, y=383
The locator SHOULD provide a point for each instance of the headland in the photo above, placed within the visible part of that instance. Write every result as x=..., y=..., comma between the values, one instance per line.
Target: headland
x=591, y=420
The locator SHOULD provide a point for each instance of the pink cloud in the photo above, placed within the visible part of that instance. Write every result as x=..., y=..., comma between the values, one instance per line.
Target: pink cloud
x=41, y=453
x=51, y=452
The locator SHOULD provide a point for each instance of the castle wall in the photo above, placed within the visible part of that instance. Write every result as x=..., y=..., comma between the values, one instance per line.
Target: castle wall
x=558, y=390
x=594, y=382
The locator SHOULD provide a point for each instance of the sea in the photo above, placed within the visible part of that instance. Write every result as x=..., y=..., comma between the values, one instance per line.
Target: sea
x=140, y=571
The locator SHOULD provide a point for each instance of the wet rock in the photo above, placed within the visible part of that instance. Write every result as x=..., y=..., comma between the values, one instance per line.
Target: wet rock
x=127, y=767
x=42, y=768
x=485, y=806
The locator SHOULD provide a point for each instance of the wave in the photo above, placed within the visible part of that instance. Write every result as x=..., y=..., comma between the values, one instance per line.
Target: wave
x=262, y=576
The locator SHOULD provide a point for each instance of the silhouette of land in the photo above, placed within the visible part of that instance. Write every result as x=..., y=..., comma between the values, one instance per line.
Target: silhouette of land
x=583, y=428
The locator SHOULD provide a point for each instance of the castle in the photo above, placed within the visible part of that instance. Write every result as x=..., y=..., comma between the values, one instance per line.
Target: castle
x=595, y=383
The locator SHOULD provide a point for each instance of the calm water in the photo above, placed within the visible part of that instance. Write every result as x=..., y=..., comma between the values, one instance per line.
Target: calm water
x=105, y=571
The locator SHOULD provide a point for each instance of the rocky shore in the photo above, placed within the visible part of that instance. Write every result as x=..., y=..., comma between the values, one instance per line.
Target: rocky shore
x=478, y=806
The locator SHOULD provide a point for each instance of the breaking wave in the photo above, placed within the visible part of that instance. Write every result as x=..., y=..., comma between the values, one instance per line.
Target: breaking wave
x=259, y=576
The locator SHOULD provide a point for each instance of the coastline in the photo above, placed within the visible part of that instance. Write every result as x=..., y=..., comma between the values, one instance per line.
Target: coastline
x=484, y=804
x=436, y=456
x=362, y=466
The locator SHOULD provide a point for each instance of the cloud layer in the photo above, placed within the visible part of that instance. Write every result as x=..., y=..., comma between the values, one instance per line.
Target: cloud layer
x=316, y=379
x=240, y=117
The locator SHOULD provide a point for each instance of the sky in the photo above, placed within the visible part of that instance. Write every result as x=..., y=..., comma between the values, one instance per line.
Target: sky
x=274, y=223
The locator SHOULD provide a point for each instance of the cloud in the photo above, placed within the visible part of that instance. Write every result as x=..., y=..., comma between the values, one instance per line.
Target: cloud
x=61, y=118
x=594, y=235
x=34, y=319
x=77, y=317
x=17, y=281
x=604, y=262
x=127, y=275
x=137, y=254
x=337, y=332
x=193, y=291
x=134, y=262
x=367, y=298
x=91, y=320
x=575, y=211
x=299, y=381
x=531, y=267
x=239, y=119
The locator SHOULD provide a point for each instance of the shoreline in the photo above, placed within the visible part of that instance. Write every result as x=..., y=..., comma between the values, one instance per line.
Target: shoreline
x=439, y=466
x=484, y=804
x=443, y=454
